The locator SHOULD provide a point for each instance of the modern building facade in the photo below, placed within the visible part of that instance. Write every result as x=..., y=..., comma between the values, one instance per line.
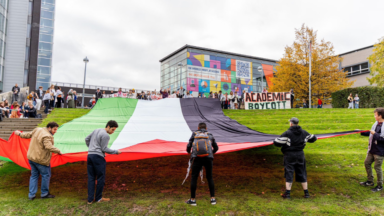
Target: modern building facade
x=29, y=27
x=3, y=24
x=356, y=65
x=204, y=70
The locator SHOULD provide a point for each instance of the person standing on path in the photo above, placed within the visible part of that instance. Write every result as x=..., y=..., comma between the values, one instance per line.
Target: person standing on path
x=98, y=94
x=71, y=99
x=292, y=97
x=292, y=143
x=357, y=100
x=97, y=143
x=15, y=93
x=39, y=156
x=350, y=101
x=375, y=151
x=319, y=103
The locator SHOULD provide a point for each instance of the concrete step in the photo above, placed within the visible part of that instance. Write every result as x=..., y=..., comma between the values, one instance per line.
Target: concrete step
x=5, y=124
x=21, y=120
x=17, y=128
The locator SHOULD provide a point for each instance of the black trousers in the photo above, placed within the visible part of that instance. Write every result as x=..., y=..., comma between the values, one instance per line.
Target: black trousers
x=46, y=104
x=58, y=104
x=198, y=163
x=96, y=166
x=294, y=162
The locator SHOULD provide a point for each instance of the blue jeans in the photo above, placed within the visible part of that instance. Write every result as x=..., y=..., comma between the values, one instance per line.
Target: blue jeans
x=320, y=106
x=356, y=106
x=96, y=166
x=36, y=171
x=46, y=104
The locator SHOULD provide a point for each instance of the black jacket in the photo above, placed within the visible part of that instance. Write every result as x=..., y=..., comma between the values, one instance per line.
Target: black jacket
x=215, y=147
x=40, y=95
x=181, y=93
x=98, y=95
x=14, y=88
x=294, y=139
x=377, y=149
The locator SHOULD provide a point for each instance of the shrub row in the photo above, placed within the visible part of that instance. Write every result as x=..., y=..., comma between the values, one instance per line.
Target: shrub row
x=370, y=97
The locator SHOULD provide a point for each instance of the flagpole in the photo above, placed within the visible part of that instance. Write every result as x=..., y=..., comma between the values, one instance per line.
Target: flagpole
x=310, y=57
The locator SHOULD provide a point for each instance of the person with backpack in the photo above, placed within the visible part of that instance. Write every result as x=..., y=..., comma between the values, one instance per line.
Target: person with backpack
x=202, y=145
x=292, y=143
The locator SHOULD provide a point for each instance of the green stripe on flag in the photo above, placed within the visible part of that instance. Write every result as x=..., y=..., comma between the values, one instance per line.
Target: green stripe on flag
x=4, y=159
x=70, y=136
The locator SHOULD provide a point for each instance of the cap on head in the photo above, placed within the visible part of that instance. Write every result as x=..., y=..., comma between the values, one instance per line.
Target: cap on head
x=294, y=120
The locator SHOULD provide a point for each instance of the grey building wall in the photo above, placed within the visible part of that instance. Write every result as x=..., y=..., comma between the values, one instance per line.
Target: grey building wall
x=356, y=62
x=16, y=44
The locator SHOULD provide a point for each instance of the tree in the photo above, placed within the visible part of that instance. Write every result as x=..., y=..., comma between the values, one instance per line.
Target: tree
x=377, y=64
x=293, y=69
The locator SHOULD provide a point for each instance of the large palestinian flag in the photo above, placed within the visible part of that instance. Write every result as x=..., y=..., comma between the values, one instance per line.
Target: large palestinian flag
x=146, y=129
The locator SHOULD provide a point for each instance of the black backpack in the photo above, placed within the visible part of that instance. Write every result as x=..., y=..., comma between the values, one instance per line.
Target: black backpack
x=39, y=116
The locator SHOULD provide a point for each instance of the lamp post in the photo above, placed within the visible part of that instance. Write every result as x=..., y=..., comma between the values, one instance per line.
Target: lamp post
x=86, y=60
x=180, y=65
x=260, y=69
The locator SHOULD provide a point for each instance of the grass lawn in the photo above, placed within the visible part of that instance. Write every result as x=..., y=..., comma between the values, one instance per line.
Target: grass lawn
x=247, y=182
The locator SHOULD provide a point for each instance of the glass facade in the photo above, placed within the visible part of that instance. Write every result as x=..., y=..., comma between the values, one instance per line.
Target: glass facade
x=3, y=33
x=44, y=65
x=201, y=71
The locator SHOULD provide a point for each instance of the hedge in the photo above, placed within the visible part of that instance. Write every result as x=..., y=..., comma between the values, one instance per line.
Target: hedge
x=370, y=97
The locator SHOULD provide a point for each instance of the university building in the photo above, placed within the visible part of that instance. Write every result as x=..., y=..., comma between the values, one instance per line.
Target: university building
x=204, y=70
x=26, y=42
x=355, y=64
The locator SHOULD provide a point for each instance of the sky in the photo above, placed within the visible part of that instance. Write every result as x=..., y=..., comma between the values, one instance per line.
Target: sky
x=124, y=39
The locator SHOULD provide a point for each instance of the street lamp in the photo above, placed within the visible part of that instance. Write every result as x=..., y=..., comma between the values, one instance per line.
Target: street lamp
x=260, y=69
x=86, y=60
x=180, y=65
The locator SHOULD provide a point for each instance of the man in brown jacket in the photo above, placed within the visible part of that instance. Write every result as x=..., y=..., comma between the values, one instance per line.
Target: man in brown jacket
x=39, y=157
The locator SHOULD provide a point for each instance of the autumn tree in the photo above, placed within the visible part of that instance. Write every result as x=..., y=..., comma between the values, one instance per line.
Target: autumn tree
x=293, y=69
x=376, y=61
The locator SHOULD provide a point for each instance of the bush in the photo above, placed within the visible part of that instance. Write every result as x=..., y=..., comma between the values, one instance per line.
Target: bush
x=370, y=97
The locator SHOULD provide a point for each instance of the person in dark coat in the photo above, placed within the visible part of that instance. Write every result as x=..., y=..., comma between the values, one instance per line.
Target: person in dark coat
x=292, y=97
x=292, y=143
x=15, y=93
x=98, y=94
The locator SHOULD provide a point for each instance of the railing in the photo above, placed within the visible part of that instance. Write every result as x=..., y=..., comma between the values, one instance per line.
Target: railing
x=8, y=95
x=102, y=88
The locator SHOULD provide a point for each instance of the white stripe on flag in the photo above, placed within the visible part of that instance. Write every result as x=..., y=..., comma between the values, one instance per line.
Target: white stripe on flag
x=162, y=119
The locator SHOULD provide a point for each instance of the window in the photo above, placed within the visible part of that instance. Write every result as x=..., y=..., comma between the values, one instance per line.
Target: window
x=43, y=70
x=45, y=53
x=45, y=46
x=46, y=38
x=357, y=69
x=44, y=62
x=47, y=14
x=46, y=22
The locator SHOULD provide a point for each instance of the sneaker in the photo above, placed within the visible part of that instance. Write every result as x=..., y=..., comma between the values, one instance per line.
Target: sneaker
x=367, y=183
x=48, y=196
x=286, y=195
x=306, y=195
x=377, y=188
x=31, y=198
x=213, y=201
x=104, y=200
x=89, y=203
x=191, y=202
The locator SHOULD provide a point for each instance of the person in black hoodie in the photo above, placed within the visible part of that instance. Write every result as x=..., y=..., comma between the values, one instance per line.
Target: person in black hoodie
x=375, y=151
x=199, y=161
x=292, y=143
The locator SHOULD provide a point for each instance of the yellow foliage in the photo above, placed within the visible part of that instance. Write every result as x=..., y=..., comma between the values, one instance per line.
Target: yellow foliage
x=377, y=64
x=293, y=69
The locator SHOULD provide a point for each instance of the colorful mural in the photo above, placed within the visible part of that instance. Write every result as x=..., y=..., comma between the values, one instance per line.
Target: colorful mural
x=207, y=73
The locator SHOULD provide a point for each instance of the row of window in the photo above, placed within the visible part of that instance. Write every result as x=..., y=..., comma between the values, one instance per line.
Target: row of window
x=357, y=69
x=4, y=3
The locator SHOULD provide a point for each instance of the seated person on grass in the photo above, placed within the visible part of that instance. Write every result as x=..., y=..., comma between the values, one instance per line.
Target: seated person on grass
x=375, y=151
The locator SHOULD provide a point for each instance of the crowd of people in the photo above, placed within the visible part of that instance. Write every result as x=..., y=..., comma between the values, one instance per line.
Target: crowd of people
x=201, y=147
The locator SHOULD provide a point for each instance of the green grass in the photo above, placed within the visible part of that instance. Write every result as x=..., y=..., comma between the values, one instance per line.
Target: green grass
x=247, y=182
x=62, y=116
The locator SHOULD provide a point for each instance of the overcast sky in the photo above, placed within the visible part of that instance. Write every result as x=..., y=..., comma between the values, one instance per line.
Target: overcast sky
x=124, y=40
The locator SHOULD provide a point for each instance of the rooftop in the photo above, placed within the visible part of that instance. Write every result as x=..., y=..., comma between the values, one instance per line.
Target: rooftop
x=213, y=50
x=356, y=50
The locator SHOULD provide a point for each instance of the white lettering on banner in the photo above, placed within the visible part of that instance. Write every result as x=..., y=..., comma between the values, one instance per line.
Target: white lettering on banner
x=243, y=69
x=270, y=100
x=203, y=73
